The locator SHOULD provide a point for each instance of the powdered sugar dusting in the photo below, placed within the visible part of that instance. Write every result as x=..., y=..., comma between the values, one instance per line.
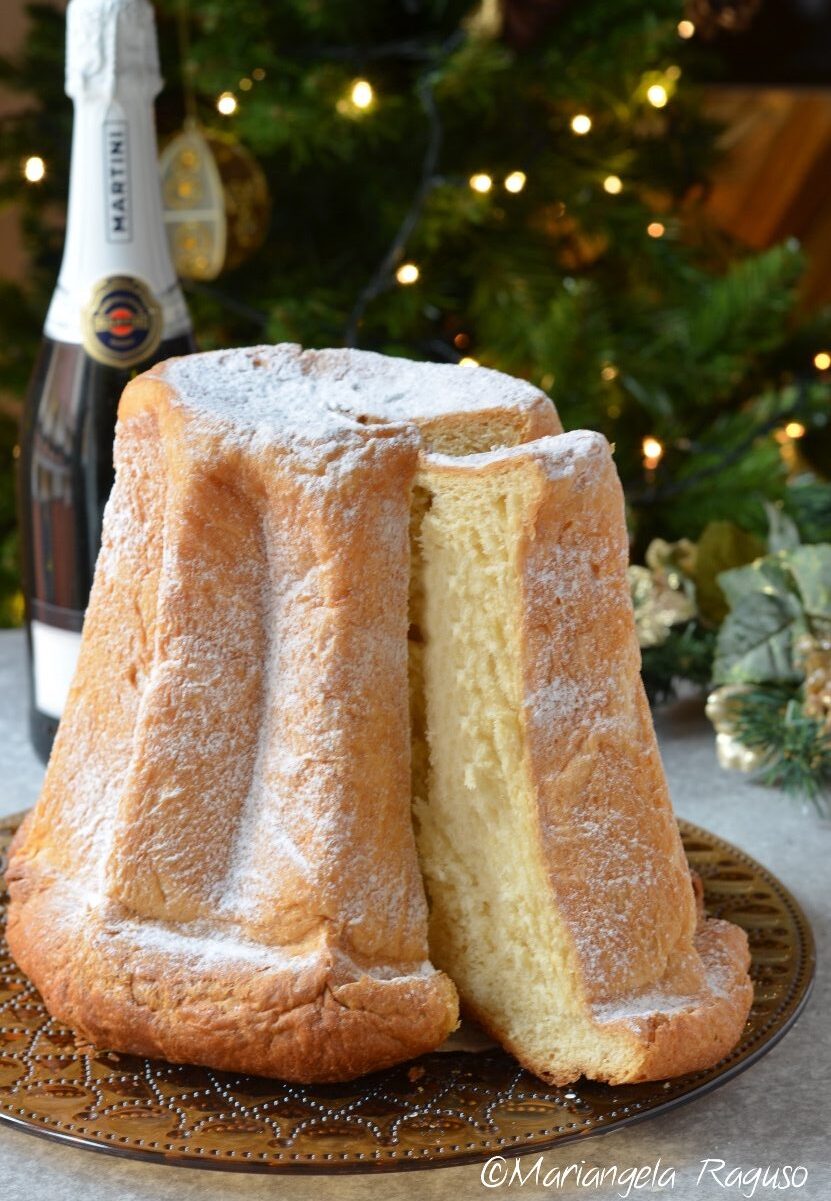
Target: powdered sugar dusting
x=559, y=455
x=86, y=774
x=282, y=449
x=650, y=1003
x=716, y=972
x=313, y=400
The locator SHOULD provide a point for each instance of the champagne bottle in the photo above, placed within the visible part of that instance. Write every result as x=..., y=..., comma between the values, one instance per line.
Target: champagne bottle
x=117, y=309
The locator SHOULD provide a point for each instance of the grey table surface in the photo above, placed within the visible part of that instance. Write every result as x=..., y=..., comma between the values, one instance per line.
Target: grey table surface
x=777, y=1113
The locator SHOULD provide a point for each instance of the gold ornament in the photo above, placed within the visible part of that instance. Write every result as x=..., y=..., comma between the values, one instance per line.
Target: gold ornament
x=675, y=560
x=216, y=201
x=734, y=755
x=813, y=656
x=661, y=594
x=721, y=710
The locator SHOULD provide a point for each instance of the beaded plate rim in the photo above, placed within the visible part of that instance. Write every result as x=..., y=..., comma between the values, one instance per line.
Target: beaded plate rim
x=665, y=1096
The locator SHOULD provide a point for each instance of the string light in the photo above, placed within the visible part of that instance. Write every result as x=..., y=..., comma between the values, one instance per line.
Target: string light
x=655, y=229
x=613, y=184
x=653, y=452
x=609, y=372
x=515, y=182
x=686, y=29
x=245, y=84
x=34, y=169
x=407, y=273
x=547, y=381
x=795, y=429
x=673, y=73
x=258, y=73
x=822, y=359
x=467, y=361
x=581, y=123
x=657, y=95
x=362, y=94
x=226, y=104
x=481, y=182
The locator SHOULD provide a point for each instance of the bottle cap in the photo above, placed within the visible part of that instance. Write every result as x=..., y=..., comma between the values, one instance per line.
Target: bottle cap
x=110, y=46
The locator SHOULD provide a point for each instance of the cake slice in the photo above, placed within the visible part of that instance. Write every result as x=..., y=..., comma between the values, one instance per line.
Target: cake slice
x=560, y=900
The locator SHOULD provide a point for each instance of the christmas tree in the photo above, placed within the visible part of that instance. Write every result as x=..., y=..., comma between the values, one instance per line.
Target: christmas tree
x=514, y=185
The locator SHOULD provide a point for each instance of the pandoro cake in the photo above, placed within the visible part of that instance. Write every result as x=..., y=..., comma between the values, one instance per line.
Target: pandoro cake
x=340, y=596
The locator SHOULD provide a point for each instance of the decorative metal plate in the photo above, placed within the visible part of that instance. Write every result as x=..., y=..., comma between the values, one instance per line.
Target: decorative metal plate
x=451, y=1107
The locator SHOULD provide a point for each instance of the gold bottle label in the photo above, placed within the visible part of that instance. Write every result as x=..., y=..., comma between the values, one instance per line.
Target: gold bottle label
x=121, y=324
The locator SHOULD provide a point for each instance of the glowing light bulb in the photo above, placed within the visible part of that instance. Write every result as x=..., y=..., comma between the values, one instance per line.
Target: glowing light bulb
x=245, y=84
x=258, y=73
x=362, y=94
x=686, y=29
x=468, y=361
x=226, y=104
x=822, y=360
x=653, y=452
x=673, y=73
x=516, y=181
x=609, y=372
x=34, y=169
x=581, y=123
x=795, y=429
x=407, y=273
x=481, y=182
x=657, y=95
x=655, y=229
x=613, y=184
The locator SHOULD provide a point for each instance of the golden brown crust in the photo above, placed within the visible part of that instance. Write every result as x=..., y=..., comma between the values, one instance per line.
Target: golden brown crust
x=697, y=1038
x=604, y=802
x=303, y=1021
x=464, y=433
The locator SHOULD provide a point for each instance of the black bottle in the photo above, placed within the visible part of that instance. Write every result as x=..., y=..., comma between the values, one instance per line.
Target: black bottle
x=116, y=310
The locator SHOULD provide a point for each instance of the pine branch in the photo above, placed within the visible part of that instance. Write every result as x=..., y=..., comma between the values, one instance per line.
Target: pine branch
x=795, y=748
x=687, y=654
x=380, y=281
x=731, y=455
x=412, y=49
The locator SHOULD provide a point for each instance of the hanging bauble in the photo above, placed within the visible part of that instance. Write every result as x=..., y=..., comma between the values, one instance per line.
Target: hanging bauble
x=711, y=17
x=485, y=21
x=520, y=23
x=216, y=201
